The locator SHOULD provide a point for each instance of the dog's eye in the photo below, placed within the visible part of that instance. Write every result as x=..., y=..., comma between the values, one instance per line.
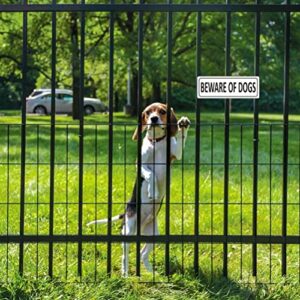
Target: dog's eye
x=162, y=112
x=148, y=112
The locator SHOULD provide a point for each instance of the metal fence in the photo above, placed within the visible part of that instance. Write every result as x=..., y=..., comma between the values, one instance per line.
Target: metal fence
x=41, y=172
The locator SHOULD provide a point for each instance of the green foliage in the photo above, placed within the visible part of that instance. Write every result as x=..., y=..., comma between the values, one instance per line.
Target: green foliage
x=155, y=52
x=184, y=98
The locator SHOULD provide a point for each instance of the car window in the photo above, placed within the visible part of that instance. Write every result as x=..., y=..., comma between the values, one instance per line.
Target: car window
x=64, y=97
x=46, y=97
x=67, y=98
x=35, y=93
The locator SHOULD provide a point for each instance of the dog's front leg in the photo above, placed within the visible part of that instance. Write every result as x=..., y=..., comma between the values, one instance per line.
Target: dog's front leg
x=129, y=228
x=150, y=178
x=183, y=127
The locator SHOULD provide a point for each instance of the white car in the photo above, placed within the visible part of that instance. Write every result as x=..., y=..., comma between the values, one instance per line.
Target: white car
x=39, y=102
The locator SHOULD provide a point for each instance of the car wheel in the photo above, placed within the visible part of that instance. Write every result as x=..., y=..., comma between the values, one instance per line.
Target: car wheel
x=88, y=110
x=40, y=110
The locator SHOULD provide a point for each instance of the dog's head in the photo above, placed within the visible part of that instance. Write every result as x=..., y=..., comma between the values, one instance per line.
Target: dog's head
x=154, y=120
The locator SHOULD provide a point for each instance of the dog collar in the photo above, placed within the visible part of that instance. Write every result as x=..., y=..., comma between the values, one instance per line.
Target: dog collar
x=156, y=140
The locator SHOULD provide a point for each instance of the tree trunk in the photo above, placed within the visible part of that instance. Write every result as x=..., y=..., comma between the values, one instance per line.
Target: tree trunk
x=75, y=63
x=134, y=90
x=91, y=89
x=156, y=91
x=116, y=102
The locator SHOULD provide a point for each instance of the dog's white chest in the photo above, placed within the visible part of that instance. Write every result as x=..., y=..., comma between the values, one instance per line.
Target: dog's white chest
x=154, y=158
x=154, y=154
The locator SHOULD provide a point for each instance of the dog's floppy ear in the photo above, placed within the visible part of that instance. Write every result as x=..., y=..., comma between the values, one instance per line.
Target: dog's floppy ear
x=136, y=132
x=173, y=123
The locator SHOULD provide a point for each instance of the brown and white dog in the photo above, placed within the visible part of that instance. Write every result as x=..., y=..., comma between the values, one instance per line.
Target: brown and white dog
x=153, y=172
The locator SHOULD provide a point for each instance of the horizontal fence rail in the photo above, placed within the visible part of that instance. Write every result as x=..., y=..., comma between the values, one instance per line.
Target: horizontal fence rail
x=150, y=7
x=161, y=239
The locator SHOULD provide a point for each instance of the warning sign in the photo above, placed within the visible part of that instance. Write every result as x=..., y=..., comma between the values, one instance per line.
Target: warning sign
x=227, y=87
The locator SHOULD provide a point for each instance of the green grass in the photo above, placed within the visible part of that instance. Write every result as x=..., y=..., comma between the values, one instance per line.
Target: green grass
x=181, y=287
x=95, y=193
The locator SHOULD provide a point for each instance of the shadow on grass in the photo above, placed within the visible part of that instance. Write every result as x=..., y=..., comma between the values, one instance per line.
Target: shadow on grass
x=223, y=288
x=187, y=286
x=214, y=285
x=181, y=287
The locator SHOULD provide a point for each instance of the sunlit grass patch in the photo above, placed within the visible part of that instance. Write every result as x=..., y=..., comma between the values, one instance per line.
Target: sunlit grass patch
x=182, y=197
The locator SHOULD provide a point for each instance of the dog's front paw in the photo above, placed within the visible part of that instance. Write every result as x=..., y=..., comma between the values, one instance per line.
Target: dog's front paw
x=183, y=123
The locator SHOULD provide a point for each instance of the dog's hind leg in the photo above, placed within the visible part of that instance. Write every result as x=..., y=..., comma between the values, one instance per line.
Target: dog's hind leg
x=129, y=228
x=149, y=229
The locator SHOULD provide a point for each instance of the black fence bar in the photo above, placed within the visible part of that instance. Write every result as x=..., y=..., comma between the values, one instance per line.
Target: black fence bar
x=270, y=190
x=299, y=199
x=203, y=124
x=241, y=198
x=197, y=143
x=212, y=197
x=139, y=138
x=169, y=7
x=162, y=239
x=285, y=134
x=38, y=192
x=67, y=196
x=226, y=143
x=255, y=142
x=7, y=192
x=176, y=203
x=81, y=138
x=96, y=193
x=133, y=164
x=23, y=138
x=110, y=132
x=168, y=152
x=52, y=139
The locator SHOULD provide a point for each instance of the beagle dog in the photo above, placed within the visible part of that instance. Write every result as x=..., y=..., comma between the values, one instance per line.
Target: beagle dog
x=153, y=172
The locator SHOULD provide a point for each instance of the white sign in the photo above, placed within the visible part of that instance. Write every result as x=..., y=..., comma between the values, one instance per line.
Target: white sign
x=215, y=87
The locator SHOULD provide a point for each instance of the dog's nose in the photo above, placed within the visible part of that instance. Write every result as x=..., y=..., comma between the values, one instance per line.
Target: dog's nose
x=154, y=119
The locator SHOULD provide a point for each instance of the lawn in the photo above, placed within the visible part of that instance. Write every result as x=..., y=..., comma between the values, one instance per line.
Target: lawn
x=95, y=195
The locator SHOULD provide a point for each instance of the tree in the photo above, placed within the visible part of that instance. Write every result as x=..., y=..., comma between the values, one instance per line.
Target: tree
x=155, y=49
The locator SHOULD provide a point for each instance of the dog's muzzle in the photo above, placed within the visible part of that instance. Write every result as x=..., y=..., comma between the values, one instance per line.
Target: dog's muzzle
x=154, y=120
